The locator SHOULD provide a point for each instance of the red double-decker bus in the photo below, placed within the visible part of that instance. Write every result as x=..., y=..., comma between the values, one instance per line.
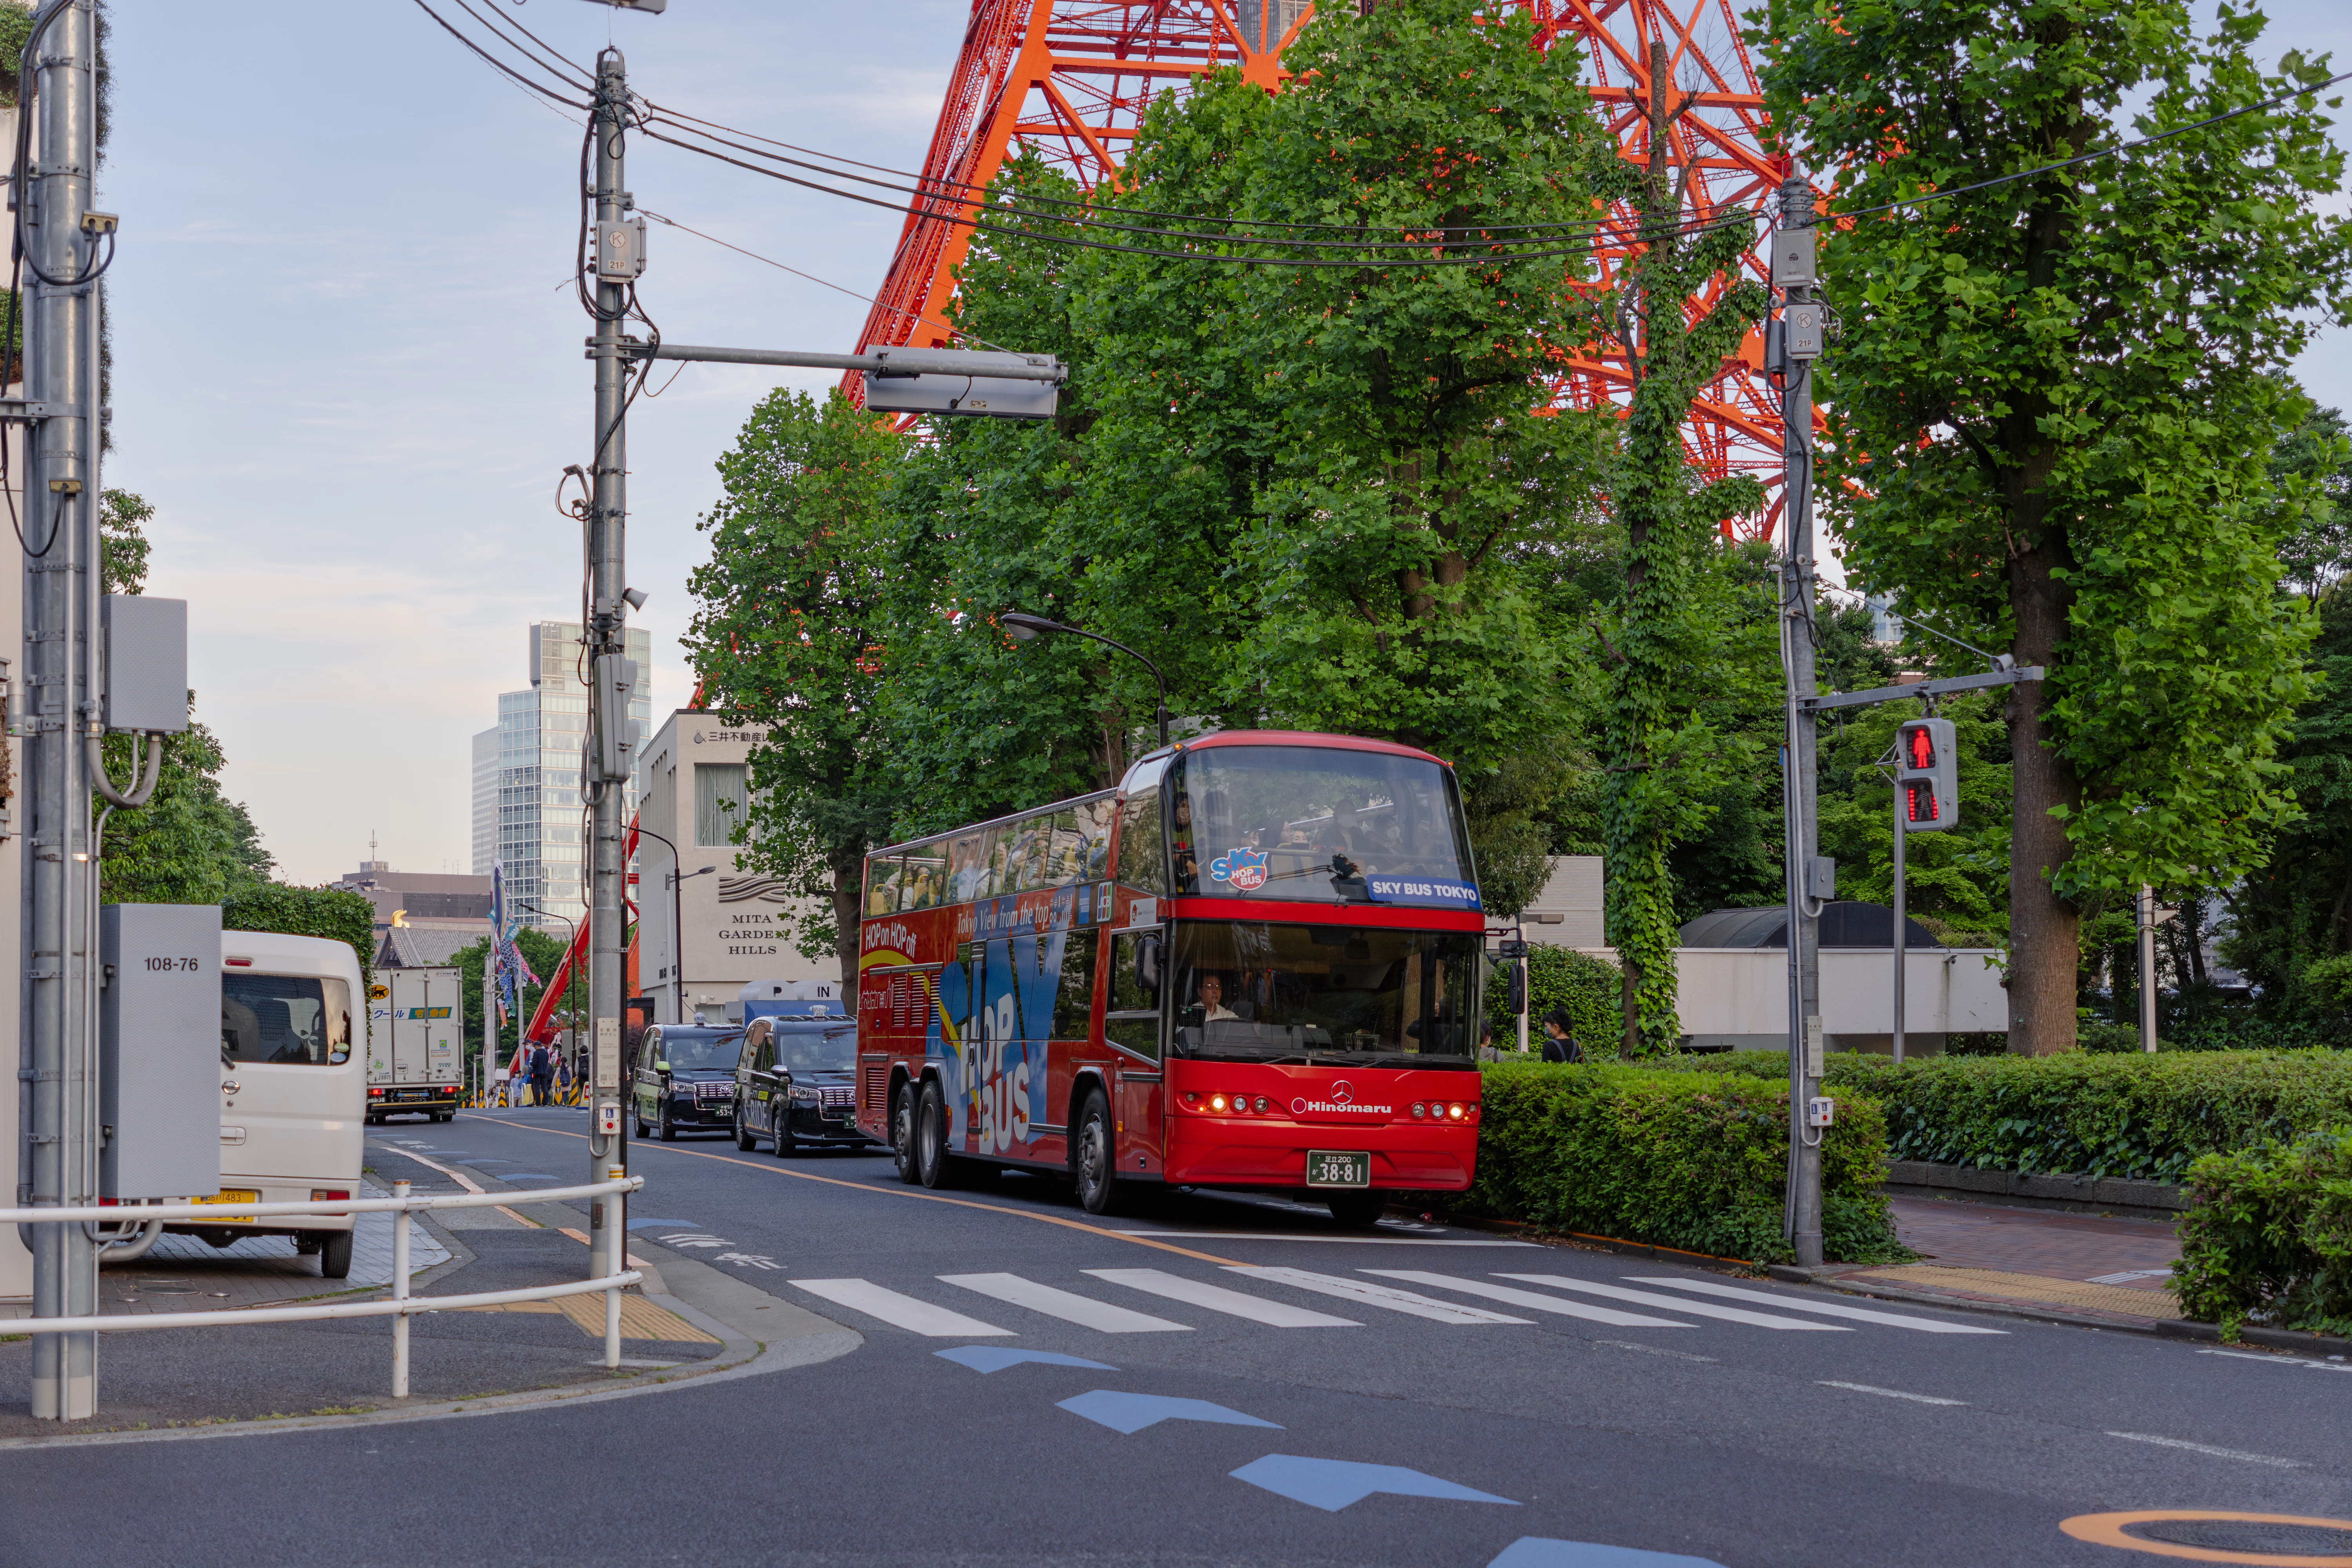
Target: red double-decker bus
x=1257, y=965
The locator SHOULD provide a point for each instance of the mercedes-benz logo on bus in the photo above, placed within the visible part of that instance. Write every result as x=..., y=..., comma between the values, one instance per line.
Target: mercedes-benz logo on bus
x=1342, y=1091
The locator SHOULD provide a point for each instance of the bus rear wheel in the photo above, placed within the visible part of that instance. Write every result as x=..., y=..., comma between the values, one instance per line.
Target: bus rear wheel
x=931, y=1136
x=1093, y=1153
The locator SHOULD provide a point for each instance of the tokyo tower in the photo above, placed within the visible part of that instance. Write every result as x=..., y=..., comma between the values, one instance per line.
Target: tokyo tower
x=1070, y=78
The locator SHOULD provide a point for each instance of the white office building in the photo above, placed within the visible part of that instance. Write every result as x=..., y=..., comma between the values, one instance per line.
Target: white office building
x=528, y=814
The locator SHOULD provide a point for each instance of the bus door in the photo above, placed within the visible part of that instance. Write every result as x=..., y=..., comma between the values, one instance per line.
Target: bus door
x=1131, y=1026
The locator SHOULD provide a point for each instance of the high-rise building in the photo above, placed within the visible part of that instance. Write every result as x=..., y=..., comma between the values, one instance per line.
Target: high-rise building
x=528, y=814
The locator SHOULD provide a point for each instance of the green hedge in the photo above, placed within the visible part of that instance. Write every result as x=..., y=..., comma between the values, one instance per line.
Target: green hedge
x=1675, y=1159
x=1589, y=988
x=2270, y=1236
x=2081, y=1115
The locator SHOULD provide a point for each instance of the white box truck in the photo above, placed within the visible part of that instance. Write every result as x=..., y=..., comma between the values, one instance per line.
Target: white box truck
x=416, y=1043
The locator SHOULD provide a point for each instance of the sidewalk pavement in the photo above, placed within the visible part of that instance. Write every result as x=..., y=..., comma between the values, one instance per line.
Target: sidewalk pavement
x=2098, y=1267
x=197, y=1377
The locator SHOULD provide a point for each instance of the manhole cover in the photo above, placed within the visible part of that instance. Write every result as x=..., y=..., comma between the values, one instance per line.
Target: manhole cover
x=2247, y=1535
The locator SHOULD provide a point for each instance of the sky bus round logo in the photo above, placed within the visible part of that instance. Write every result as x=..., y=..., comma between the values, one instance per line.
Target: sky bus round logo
x=1241, y=869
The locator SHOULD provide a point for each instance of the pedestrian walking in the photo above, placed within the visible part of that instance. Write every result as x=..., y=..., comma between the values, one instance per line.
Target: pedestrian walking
x=542, y=1076
x=1559, y=1043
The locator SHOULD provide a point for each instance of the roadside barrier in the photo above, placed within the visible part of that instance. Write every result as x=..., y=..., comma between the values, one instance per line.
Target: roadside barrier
x=399, y=1309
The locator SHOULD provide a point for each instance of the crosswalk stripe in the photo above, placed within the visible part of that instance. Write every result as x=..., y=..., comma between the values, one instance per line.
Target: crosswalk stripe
x=1689, y=1309
x=1217, y=1299
x=1082, y=1310
x=1371, y=1295
x=1826, y=1309
x=1505, y=1294
x=900, y=1311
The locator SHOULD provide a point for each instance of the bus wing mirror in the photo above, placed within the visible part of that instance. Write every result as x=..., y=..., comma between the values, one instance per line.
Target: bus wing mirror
x=1147, y=967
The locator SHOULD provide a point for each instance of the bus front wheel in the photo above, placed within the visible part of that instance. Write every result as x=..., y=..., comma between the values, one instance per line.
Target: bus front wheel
x=1094, y=1156
x=902, y=1134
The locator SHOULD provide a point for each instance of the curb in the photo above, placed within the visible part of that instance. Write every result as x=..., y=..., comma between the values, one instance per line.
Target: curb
x=782, y=1337
x=2156, y=1328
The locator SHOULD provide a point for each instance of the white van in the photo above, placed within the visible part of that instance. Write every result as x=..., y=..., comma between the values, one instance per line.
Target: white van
x=293, y=1089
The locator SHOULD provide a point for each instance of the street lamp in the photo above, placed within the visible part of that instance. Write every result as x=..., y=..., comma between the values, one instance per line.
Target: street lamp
x=674, y=878
x=1029, y=629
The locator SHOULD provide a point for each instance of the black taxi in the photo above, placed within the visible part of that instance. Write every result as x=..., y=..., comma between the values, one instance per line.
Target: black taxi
x=685, y=1079
x=795, y=1084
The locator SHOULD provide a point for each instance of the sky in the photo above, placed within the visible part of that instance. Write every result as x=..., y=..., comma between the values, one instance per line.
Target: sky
x=347, y=355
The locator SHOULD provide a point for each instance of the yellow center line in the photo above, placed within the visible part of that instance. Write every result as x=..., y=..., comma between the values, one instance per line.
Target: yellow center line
x=886, y=1192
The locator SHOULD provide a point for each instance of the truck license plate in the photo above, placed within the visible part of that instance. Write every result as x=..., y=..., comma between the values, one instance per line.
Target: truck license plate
x=234, y=1195
x=1339, y=1168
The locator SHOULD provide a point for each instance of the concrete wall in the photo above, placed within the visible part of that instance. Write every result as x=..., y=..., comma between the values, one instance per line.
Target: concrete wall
x=1567, y=913
x=1738, y=997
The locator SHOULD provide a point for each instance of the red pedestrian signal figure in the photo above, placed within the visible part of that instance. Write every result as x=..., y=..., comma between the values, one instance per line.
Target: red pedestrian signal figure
x=1928, y=774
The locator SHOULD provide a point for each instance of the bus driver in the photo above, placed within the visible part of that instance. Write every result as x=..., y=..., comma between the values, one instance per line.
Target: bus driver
x=1211, y=992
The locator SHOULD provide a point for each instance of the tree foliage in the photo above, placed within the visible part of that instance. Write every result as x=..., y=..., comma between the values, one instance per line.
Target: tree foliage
x=2052, y=401
x=789, y=632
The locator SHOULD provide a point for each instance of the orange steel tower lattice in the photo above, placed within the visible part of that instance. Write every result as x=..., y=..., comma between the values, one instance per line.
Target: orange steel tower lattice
x=1070, y=78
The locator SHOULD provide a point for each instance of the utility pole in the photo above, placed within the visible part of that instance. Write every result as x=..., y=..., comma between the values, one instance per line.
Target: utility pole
x=1800, y=342
x=2145, y=907
x=62, y=245
x=606, y=761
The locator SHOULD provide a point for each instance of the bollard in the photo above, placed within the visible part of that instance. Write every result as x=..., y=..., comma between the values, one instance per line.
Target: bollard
x=400, y=1293
x=616, y=1256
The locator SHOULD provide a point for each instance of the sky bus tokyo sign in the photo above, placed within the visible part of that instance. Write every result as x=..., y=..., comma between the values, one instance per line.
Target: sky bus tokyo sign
x=1342, y=1103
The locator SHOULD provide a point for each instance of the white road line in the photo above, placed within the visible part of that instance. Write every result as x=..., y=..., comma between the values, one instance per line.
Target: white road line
x=1689, y=1309
x=1654, y=1350
x=2207, y=1449
x=2281, y=1360
x=900, y=1311
x=1371, y=1295
x=1312, y=1235
x=1890, y=1393
x=1082, y=1310
x=1217, y=1299
x=1516, y=1298
x=1826, y=1309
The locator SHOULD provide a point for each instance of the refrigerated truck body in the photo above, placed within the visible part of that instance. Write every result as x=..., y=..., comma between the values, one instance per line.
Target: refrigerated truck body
x=416, y=1043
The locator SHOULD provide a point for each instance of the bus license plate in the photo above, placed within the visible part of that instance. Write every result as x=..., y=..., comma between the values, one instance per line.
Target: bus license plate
x=234, y=1195
x=1339, y=1168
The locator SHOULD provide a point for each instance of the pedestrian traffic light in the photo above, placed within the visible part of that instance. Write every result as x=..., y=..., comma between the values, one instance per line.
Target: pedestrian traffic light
x=1928, y=775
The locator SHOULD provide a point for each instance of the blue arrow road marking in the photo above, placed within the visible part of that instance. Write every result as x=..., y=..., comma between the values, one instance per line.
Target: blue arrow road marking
x=1537, y=1552
x=996, y=1358
x=1332, y=1484
x=1131, y=1412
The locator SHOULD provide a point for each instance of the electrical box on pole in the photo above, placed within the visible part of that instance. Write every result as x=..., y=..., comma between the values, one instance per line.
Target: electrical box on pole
x=159, y=1050
x=616, y=740
x=1794, y=250
x=621, y=250
x=146, y=663
x=1928, y=775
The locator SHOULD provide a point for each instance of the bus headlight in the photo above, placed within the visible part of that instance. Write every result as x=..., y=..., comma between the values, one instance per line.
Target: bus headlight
x=1217, y=1104
x=1419, y=1110
x=1457, y=1111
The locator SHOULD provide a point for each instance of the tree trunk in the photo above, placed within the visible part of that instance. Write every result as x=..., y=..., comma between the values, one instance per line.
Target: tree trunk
x=2044, y=929
x=848, y=899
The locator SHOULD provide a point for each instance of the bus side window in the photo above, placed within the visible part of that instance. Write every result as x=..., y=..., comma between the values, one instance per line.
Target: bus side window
x=1074, y=1003
x=1143, y=861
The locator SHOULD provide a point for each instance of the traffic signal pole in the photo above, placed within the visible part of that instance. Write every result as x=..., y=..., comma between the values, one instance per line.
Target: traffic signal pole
x=1803, y=1216
x=1902, y=935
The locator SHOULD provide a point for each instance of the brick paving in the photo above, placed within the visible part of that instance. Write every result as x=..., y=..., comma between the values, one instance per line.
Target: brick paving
x=2096, y=1263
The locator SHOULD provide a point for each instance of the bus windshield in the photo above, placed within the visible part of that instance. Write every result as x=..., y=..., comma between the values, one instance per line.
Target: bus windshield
x=1304, y=824
x=1249, y=991
x=285, y=1020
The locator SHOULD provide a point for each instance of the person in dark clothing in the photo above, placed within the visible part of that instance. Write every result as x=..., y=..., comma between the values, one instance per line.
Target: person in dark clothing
x=542, y=1076
x=1560, y=1045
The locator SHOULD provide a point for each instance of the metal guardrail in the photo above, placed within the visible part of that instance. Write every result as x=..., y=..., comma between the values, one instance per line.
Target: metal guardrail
x=400, y=1308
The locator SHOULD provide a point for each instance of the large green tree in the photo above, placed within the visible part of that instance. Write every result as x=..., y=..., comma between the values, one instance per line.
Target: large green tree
x=788, y=634
x=2053, y=399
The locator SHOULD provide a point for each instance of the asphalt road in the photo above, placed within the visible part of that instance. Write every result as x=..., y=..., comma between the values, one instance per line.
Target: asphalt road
x=1040, y=1387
